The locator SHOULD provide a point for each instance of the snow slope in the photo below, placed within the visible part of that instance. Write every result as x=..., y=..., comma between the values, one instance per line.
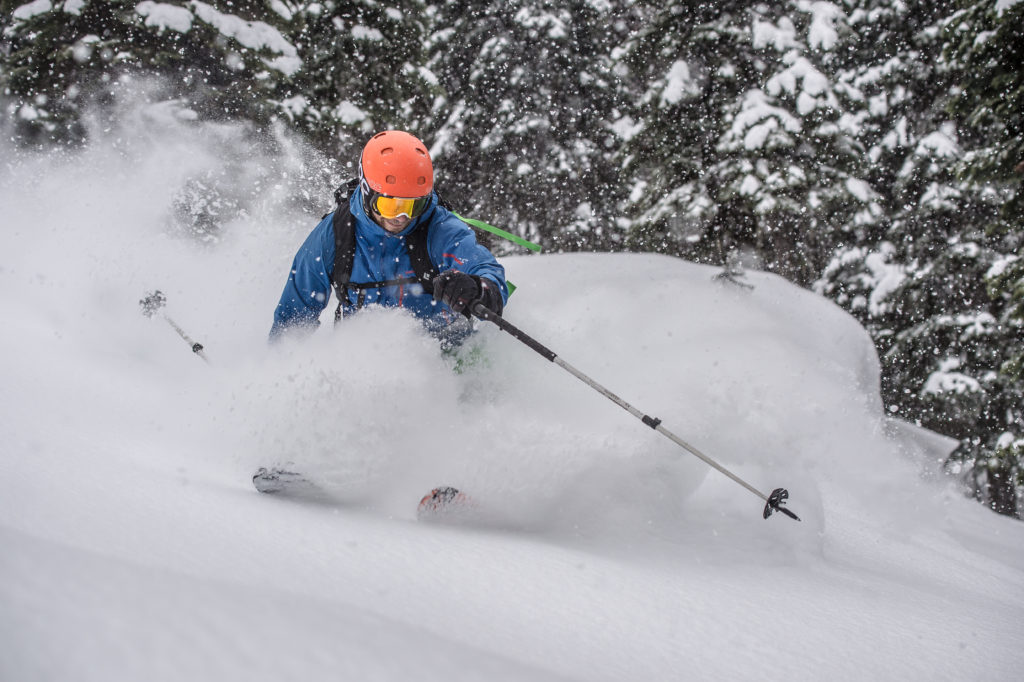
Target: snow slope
x=135, y=548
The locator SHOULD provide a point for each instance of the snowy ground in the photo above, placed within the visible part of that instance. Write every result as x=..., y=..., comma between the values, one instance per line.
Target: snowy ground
x=135, y=548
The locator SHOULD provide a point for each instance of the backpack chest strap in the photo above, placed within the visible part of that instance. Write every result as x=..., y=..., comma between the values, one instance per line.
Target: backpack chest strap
x=344, y=224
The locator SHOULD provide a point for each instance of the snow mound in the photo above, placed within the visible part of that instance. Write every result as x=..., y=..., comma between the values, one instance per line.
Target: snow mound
x=135, y=547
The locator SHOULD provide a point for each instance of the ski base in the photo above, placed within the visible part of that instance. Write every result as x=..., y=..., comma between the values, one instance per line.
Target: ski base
x=445, y=503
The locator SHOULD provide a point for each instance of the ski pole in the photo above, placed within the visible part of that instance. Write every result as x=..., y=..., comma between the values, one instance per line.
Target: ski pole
x=773, y=502
x=153, y=304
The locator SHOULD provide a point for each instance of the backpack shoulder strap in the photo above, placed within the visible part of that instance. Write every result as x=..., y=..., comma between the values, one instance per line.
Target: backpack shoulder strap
x=416, y=244
x=344, y=224
x=442, y=203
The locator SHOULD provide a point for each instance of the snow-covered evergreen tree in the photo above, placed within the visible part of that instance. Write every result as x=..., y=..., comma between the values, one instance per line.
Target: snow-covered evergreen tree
x=738, y=142
x=916, y=274
x=363, y=70
x=221, y=58
x=908, y=146
x=985, y=43
x=525, y=132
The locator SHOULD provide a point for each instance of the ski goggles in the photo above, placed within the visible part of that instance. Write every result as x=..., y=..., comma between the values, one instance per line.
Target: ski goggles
x=392, y=207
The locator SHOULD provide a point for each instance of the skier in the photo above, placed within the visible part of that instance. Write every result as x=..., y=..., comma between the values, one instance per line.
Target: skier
x=403, y=249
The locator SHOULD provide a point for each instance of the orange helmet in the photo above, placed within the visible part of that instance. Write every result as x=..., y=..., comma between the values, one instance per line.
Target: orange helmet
x=396, y=164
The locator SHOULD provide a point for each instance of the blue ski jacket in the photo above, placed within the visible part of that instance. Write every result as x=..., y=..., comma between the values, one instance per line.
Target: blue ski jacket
x=381, y=256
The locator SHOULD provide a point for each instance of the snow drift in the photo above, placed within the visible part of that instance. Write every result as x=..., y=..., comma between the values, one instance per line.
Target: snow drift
x=135, y=548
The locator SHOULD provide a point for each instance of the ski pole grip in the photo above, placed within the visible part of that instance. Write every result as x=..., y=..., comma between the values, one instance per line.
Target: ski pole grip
x=483, y=312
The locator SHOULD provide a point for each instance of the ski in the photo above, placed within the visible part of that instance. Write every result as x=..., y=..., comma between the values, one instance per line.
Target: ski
x=441, y=504
x=446, y=503
x=274, y=481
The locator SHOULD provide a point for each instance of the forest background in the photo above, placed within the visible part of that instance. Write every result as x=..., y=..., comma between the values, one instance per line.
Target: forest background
x=869, y=150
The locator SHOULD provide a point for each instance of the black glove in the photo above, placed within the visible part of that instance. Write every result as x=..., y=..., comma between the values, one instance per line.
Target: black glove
x=461, y=292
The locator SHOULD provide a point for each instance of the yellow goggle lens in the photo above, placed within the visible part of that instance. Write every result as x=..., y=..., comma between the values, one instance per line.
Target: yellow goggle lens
x=392, y=207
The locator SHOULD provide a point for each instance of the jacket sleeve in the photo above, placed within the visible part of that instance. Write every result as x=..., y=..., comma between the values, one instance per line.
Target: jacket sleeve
x=308, y=287
x=453, y=245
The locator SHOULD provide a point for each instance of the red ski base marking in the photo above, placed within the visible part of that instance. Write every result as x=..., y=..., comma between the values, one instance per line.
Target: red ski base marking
x=442, y=502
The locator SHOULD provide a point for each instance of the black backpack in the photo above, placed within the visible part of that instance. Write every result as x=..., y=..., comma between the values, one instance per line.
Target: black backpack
x=345, y=252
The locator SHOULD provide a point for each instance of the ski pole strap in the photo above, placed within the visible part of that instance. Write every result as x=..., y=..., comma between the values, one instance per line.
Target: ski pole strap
x=515, y=239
